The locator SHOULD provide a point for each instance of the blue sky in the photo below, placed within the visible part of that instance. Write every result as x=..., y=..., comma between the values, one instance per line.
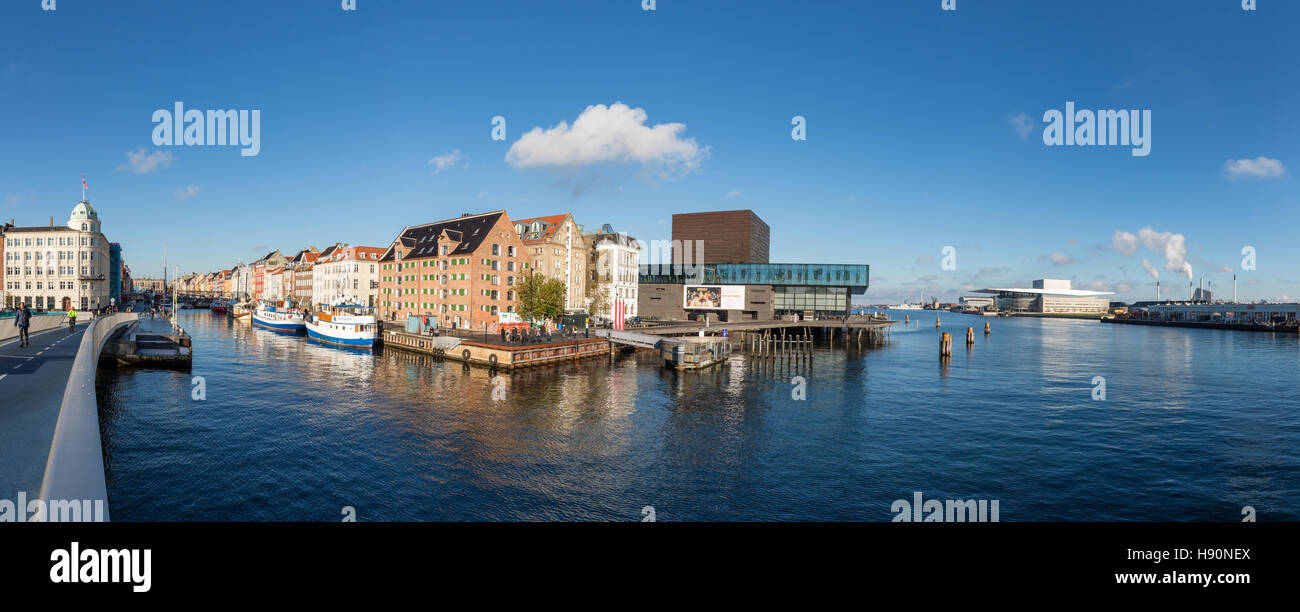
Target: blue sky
x=911, y=142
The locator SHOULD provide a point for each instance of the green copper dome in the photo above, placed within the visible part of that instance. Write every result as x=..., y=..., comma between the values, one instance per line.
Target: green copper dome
x=84, y=212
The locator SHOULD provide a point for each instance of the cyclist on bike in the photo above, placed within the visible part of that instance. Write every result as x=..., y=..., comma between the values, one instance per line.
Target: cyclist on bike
x=72, y=319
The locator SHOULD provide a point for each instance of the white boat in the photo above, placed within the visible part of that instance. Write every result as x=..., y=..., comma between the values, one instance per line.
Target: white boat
x=218, y=305
x=241, y=310
x=344, y=325
x=281, y=317
x=909, y=306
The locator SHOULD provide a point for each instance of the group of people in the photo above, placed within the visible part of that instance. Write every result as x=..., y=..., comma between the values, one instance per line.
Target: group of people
x=23, y=321
x=541, y=333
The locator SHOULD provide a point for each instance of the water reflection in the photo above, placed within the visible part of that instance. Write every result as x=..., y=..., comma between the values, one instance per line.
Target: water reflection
x=293, y=430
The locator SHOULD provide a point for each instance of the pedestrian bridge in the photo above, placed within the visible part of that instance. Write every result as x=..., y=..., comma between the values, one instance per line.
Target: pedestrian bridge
x=49, y=418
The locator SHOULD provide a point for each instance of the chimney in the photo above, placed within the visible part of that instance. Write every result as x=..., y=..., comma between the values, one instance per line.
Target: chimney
x=1234, y=288
x=1157, y=291
x=51, y=220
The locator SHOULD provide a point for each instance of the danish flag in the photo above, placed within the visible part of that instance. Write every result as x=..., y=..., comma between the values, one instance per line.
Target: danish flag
x=83, y=182
x=620, y=310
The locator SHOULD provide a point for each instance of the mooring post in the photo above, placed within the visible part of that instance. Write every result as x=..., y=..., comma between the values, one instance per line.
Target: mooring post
x=945, y=345
x=986, y=328
x=970, y=336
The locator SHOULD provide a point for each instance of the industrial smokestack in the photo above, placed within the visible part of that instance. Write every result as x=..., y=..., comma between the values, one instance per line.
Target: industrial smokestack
x=1234, y=288
x=1157, y=291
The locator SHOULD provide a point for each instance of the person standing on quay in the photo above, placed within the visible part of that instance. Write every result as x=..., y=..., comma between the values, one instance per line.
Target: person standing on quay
x=23, y=321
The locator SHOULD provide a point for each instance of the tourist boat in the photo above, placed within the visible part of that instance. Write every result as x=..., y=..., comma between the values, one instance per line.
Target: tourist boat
x=279, y=316
x=218, y=306
x=344, y=325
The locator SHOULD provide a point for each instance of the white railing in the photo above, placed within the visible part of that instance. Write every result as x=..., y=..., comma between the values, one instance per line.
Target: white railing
x=75, y=467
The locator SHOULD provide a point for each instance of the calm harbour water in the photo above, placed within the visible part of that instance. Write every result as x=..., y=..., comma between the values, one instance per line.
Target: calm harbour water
x=1196, y=424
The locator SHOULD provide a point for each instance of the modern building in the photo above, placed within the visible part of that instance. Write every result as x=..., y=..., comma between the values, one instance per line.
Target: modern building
x=725, y=289
x=556, y=248
x=459, y=272
x=616, y=268
x=728, y=236
x=736, y=292
x=1050, y=296
x=58, y=267
x=976, y=301
x=345, y=274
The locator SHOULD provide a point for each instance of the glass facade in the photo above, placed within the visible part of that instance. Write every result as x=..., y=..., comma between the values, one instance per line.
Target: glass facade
x=822, y=300
x=856, y=276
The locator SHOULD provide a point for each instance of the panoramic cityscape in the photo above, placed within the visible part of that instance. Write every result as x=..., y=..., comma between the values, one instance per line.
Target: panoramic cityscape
x=641, y=261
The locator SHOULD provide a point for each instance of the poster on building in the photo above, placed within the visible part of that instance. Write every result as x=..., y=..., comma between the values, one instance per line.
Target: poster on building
x=714, y=297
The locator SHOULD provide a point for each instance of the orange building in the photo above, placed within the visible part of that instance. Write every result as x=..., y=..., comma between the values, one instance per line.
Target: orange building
x=460, y=272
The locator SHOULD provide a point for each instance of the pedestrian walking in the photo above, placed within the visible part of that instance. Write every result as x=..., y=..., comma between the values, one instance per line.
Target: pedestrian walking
x=23, y=321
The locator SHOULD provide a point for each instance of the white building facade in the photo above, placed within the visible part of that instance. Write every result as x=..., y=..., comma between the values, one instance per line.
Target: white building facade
x=346, y=275
x=617, y=267
x=58, y=267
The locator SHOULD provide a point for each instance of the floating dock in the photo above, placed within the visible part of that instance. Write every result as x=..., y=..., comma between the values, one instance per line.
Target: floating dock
x=486, y=350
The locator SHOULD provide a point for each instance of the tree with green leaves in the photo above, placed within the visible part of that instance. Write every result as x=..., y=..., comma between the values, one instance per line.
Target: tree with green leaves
x=540, y=297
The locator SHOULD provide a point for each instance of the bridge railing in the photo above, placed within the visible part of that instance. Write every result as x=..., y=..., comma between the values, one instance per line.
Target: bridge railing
x=75, y=467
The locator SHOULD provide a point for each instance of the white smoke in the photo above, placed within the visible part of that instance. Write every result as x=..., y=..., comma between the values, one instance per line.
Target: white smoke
x=1146, y=265
x=1173, y=246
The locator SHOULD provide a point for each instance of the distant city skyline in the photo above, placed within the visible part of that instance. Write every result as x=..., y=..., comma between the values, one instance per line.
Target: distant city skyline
x=925, y=129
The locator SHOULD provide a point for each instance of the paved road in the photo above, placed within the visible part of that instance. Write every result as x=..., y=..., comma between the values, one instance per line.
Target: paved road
x=32, y=380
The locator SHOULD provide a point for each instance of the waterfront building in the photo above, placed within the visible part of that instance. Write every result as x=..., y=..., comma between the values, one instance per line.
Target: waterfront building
x=976, y=301
x=241, y=283
x=1050, y=296
x=274, y=288
x=1222, y=312
x=616, y=269
x=458, y=272
x=346, y=274
x=725, y=289
x=297, y=276
x=556, y=248
x=150, y=285
x=728, y=236
x=58, y=267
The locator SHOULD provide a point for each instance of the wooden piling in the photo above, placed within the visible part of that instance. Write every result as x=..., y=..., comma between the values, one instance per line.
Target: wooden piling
x=945, y=345
x=970, y=336
x=986, y=328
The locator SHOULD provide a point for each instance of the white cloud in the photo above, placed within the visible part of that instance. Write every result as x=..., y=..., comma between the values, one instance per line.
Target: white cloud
x=1260, y=167
x=1124, y=242
x=734, y=193
x=141, y=162
x=189, y=192
x=1057, y=259
x=614, y=134
x=1022, y=124
x=446, y=160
